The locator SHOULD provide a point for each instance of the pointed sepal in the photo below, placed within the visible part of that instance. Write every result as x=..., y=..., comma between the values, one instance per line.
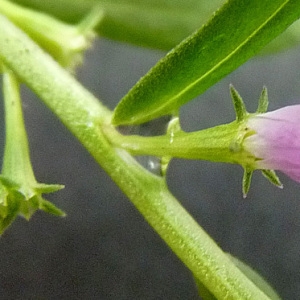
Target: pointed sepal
x=239, y=105
x=272, y=177
x=263, y=101
x=9, y=210
x=50, y=208
x=43, y=188
x=24, y=200
x=246, y=181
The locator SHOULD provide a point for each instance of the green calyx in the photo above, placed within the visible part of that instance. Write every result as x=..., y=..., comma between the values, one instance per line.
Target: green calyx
x=223, y=143
x=20, y=193
x=66, y=43
x=241, y=117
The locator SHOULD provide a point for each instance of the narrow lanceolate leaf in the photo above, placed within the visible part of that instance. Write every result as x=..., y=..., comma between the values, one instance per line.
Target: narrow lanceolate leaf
x=237, y=31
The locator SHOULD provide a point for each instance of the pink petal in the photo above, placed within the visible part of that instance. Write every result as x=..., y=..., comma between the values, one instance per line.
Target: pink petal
x=277, y=140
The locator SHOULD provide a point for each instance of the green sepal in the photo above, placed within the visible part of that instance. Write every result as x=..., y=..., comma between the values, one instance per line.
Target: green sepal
x=246, y=181
x=24, y=200
x=50, y=208
x=239, y=105
x=48, y=188
x=263, y=101
x=8, y=211
x=272, y=177
x=37, y=202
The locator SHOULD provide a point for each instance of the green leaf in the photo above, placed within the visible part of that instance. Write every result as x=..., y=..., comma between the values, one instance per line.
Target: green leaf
x=157, y=24
x=237, y=32
x=256, y=278
x=290, y=38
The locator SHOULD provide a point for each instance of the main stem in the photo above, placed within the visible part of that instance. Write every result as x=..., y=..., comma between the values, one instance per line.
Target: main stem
x=84, y=116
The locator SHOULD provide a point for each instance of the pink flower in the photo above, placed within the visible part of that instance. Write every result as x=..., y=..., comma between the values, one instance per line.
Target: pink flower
x=276, y=140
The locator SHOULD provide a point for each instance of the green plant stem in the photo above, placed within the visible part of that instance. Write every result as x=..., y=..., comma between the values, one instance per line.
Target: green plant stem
x=83, y=115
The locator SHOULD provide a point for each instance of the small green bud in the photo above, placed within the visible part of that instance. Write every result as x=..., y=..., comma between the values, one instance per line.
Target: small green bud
x=66, y=43
x=20, y=193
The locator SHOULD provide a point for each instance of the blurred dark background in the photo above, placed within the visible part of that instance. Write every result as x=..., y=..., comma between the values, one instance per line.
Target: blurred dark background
x=104, y=249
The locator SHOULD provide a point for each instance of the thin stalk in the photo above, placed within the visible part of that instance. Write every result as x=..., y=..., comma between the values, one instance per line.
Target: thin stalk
x=16, y=161
x=221, y=143
x=84, y=116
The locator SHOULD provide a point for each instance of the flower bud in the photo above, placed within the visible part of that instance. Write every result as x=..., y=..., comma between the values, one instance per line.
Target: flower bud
x=20, y=193
x=66, y=43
